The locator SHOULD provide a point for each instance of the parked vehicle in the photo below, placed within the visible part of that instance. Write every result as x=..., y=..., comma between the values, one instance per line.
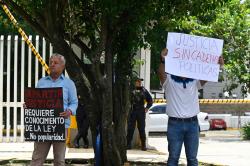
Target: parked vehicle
x=158, y=119
x=217, y=124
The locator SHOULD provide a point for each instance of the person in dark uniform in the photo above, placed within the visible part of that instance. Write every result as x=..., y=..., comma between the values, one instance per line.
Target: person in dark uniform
x=138, y=113
x=82, y=126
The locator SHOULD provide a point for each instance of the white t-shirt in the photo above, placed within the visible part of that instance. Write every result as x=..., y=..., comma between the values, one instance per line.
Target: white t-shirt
x=181, y=102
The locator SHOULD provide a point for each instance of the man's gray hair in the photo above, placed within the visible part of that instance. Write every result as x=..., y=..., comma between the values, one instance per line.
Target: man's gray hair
x=60, y=56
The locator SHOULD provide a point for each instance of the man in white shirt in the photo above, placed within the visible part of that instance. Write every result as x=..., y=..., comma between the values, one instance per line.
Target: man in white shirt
x=183, y=106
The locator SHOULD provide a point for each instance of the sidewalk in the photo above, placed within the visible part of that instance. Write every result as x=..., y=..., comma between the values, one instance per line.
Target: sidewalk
x=23, y=152
x=223, y=148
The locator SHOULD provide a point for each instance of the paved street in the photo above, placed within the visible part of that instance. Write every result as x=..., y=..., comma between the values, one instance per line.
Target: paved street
x=216, y=147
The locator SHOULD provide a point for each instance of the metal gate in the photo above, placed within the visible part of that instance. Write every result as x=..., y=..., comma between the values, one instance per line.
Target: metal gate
x=19, y=69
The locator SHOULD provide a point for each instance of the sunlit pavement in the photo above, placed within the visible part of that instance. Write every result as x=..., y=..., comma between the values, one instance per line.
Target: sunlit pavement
x=216, y=147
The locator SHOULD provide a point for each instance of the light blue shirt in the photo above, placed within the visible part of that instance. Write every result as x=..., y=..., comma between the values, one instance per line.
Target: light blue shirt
x=70, y=100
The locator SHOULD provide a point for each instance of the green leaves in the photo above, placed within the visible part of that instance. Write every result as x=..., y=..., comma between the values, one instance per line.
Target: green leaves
x=227, y=20
x=245, y=131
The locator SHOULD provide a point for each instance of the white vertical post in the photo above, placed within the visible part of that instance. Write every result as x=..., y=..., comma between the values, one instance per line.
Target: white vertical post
x=66, y=74
x=44, y=55
x=36, y=61
x=22, y=87
x=29, y=64
x=148, y=66
x=15, y=88
x=8, y=89
x=1, y=86
x=145, y=67
x=50, y=49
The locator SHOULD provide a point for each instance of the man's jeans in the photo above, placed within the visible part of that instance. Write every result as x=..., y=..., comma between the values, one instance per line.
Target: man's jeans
x=180, y=132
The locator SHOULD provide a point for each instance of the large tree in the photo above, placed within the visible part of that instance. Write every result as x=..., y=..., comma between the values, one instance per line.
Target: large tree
x=111, y=29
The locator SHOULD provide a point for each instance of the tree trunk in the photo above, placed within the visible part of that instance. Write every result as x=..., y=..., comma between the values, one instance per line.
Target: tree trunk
x=121, y=107
x=111, y=154
x=105, y=107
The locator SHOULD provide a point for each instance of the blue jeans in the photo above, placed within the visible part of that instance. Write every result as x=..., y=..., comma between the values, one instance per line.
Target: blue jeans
x=180, y=132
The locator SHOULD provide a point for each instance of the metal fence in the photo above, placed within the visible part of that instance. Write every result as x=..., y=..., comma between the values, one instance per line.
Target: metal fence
x=19, y=69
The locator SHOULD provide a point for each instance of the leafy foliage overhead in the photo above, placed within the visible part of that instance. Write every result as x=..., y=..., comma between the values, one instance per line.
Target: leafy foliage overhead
x=229, y=22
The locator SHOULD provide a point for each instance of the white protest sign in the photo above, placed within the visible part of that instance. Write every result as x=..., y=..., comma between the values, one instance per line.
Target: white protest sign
x=193, y=56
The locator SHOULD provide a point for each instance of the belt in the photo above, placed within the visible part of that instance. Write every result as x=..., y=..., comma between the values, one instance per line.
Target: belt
x=194, y=118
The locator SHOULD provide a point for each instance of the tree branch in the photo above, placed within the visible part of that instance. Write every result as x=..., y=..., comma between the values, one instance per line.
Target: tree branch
x=34, y=24
x=82, y=45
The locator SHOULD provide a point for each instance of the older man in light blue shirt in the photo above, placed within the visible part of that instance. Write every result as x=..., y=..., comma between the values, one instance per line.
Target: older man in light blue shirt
x=70, y=102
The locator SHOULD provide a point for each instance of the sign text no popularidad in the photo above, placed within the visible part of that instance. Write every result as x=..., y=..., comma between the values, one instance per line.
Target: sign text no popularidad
x=193, y=56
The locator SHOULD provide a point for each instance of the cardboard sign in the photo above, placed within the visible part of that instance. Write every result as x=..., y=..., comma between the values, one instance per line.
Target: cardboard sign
x=41, y=115
x=193, y=56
